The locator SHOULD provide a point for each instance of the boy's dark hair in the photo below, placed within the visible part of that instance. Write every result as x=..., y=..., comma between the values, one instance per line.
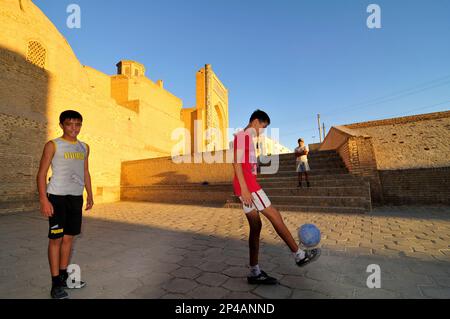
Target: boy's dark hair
x=69, y=115
x=261, y=116
x=300, y=139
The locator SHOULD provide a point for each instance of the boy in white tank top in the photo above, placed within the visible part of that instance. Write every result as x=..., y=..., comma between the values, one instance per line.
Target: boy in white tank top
x=62, y=199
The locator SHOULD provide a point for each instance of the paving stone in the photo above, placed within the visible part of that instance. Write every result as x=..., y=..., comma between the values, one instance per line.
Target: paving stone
x=211, y=279
x=179, y=285
x=273, y=292
x=235, y=272
x=298, y=282
x=186, y=272
x=211, y=266
x=241, y=295
x=308, y=294
x=436, y=292
x=375, y=293
x=147, y=292
x=238, y=284
x=204, y=292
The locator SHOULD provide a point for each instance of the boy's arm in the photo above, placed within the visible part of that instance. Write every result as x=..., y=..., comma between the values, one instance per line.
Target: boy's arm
x=87, y=181
x=298, y=153
x=245, y=193
x=46, y=159
x=306, y=151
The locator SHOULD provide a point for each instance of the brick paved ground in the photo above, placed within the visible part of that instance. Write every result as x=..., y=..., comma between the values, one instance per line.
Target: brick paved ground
x=148, y=250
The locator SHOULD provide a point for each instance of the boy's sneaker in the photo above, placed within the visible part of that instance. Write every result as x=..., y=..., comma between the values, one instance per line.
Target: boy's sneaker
x=299, y=184
x=58, y=292
x=310, y=256
x=307, y=184
x=262, y=279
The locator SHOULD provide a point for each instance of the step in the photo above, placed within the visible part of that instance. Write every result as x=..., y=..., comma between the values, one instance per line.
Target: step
x=313, y=165
x=310, y=155
x=310, y=209
x=329, y=152
x=314, y=183
x=310, y=160
x=318, y=191
x=294, y=176
x=318, y=171
x=320, y=201
x=333, y=158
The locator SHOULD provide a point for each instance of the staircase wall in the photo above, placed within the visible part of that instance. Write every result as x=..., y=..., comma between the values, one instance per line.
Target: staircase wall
x=356, y=151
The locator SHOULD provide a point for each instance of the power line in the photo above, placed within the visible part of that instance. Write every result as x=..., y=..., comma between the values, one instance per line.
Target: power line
x=387, y=98
x=385, y=101
x=420, y=108
x=393, y=96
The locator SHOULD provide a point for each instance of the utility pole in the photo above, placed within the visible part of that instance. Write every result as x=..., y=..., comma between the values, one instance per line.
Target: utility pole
x=320, y=128
x=323, y=130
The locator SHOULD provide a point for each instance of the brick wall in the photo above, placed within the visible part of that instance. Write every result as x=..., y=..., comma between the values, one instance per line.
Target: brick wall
x=416, y=186
x=359, y=158
x=156, y=179
x=23, y=101
x=164, y=171
x=409, y=142
x=406, y=160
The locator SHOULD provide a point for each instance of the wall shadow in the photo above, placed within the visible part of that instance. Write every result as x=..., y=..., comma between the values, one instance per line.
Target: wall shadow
x=177, y=188
x=24, y=90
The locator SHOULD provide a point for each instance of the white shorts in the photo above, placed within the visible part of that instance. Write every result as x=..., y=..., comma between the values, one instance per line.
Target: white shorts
x=260, y=202
x=302, y=167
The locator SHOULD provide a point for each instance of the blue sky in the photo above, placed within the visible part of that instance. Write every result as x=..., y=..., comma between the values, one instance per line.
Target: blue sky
x=291, y=58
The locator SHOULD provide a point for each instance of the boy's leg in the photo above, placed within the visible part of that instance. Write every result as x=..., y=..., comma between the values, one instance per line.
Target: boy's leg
x=66, y=250
x=55, y=235
x=307, y=179
x=256, y=276
x=301, y=257
x=275, y=218
x=73, y=228
x=255, y=224
x=299, y=174
x=54, y=249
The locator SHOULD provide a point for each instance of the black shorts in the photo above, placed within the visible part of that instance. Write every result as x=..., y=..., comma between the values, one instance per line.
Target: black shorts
x=67, y=215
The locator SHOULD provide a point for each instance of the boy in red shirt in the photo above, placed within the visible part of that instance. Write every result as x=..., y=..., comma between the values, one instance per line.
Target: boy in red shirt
x=255, y=200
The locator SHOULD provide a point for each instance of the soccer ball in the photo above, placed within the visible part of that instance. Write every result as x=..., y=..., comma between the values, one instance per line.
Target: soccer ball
x=309, y=235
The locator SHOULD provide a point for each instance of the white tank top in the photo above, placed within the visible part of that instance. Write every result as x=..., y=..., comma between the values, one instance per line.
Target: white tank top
x=67, y=168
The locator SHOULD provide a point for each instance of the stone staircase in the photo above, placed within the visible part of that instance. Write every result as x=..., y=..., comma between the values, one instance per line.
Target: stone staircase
x=333, y=188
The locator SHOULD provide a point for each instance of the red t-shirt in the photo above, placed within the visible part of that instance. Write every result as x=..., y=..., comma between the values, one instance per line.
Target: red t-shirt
x=243, y=141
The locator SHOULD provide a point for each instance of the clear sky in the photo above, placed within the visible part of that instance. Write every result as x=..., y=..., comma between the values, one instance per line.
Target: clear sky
x=291, y=58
